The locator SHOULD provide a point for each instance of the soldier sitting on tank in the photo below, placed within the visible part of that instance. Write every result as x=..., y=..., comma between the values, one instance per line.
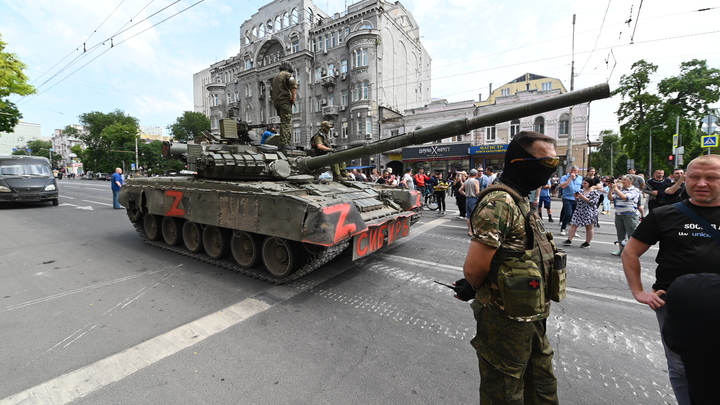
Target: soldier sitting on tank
x=321, y=146
x=270, y=135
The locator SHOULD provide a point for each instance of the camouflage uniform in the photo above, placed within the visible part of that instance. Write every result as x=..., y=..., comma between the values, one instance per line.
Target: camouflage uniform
x=281, y=92
x=514, y=353
x=320, y=138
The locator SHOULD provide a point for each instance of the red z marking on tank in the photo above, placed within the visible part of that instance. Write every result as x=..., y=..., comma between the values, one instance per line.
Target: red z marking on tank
x=174, y=211
x=342, y=228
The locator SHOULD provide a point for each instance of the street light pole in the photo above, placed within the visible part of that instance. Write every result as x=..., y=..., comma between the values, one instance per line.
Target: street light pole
x=137, y=167
x=650, y=156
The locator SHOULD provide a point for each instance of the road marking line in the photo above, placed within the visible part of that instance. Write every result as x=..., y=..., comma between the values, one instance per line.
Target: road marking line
x=79, y=383
x=97, y=202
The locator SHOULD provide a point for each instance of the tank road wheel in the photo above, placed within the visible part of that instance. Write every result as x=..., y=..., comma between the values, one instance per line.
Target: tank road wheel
x=172, y=230
x=279, y=256
x=192, y=236
x=245, y=249
x=151, y=226
x=216, y=242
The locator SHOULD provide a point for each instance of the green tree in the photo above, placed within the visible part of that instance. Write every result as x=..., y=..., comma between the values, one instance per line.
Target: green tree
x=12, y=81
x=189, y=127
x=109, y=139
x=643, y=112
x=600, y=159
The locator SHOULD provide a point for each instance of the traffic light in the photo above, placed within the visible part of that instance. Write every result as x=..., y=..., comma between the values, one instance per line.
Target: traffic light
x=671, y=161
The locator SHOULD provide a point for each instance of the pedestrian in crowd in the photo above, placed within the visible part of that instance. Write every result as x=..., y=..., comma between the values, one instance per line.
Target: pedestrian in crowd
x=483, y=178
x=688, y=245
x=606, y=192
x=459, y=198
x=116, y=183
x=374, y=176
x=569, y=184
x=625, y=196
x=545, y=201
x=407, y=180
x=585, y=214
x=269, y=133
x=514, y=353
x=383, y=179
x=440, y=188
x=592, y=178
x=470, y=189
x=419, y=179
x=692, y=325
x=490, y=175
x=655, y=189
x=283, y=91
x=639, y=182
x=676, y=192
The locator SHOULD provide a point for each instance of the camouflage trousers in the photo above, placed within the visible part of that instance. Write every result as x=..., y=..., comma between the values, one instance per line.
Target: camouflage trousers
x=515, y=360
x=285, y=113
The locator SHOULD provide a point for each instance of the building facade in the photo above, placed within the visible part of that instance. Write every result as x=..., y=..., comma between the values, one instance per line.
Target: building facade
x=23, y=133
x=349, y=67
x=62, y=143
x=487, y=146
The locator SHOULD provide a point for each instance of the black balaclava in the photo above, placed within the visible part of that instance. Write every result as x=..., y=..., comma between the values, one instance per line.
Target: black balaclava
x=524, y=176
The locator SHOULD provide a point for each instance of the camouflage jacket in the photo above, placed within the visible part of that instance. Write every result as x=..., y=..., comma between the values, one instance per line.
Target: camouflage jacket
x=499, y=222
x=281, y=88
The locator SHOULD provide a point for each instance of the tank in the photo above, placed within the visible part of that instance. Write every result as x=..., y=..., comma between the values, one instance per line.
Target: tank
x=266, y=213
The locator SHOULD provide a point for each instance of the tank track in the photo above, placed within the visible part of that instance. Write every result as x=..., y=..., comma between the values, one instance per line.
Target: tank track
x=257, y=272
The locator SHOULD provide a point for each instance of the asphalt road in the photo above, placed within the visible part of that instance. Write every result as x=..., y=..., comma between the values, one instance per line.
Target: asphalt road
x=91, y=315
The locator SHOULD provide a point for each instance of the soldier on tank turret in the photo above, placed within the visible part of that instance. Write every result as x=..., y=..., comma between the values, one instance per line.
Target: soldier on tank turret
x=283, y=91
x=322, y=146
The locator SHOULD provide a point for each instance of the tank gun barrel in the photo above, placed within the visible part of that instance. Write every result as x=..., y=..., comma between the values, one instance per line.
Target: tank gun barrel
x=459, y=127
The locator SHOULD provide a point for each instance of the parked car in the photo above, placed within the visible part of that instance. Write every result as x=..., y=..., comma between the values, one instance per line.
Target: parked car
x=27, y=178
x=102, y=176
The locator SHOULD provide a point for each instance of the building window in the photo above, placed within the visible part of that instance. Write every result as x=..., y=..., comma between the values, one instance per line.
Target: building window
x=331, y=98
x=309, y=15
x=343, y=66
x=360, y=127
x=563, y=124
x=248, y=90
x=344, y=130
x=355, y=91
x=343, y=98
x=216, y=100
x=296, y=135
x=368, y=125
x=490, y=134
x=365, y=91
x=286, y=20
x=278, y=24
x=514, y=128
x=318, y=105
x=297, y=107
x=261, y=31
x=539, y=125
x=504, y=92
x=318, y=74
x=333, y=39
x=295, y=44
x=340, y=37
x=331, y=69
x=547, y=86
x=248, y=64
x=294, y=17
x=327, y=42
x=361, y=57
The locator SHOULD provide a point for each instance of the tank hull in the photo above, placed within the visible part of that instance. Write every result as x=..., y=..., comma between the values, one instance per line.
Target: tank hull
x=312, y=218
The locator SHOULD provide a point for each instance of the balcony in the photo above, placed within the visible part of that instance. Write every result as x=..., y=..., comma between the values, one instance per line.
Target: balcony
x=330, y=111
x=328, y=81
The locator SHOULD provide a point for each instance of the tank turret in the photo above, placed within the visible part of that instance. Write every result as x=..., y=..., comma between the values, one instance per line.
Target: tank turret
x=236, y=154
x=258, y=210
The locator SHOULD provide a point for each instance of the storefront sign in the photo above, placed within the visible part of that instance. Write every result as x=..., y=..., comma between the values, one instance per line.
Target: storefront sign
x=489, y=149
x=437, y=151
x=396, y=156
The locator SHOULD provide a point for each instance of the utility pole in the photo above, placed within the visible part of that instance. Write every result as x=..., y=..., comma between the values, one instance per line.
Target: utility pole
x=677, y=131
x=570, y=158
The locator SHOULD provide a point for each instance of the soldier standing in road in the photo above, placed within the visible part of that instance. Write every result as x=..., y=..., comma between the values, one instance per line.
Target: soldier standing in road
x=283, y=91
x=686, y=247
x=116, y=184
x=322, y=146
x=513, y=349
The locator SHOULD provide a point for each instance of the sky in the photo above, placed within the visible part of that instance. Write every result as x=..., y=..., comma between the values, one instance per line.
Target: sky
x=146, y=70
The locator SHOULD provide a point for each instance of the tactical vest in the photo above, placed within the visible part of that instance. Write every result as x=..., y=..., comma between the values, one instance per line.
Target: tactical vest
x=527, y=280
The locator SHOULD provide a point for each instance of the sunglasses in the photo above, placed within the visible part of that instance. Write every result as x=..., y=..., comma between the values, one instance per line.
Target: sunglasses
x=545, y=161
